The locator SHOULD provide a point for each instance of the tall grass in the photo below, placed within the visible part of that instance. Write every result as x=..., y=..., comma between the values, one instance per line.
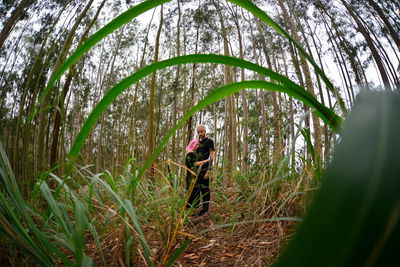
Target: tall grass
x=76, y=218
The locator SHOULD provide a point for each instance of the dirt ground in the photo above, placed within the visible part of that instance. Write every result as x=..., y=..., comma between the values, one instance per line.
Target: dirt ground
x=245, y=245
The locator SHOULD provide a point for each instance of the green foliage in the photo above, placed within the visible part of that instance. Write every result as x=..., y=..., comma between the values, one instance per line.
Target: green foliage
x=355, y=217
x=124, y=18
x=17, y=224
x=287, y=86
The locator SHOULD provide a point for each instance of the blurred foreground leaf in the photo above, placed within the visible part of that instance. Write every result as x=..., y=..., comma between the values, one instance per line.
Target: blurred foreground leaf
x=354, y=219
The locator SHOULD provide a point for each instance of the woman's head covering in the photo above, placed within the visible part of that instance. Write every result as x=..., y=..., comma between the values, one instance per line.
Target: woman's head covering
x=192, y=144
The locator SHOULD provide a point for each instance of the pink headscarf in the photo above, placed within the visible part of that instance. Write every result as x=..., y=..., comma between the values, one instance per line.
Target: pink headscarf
x=192, y=144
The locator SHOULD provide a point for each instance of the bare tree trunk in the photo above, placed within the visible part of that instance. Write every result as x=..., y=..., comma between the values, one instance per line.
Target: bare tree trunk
x=309, y=84
x=151, y=137
x=230, y=127
x=177, y=84
x=243, y=94
x=395, y=35
x=42, y=151
x=64, y=92
x=13, y=19
x=20, y=157
x=370, y=44
x=192, y=88
x=133, y=123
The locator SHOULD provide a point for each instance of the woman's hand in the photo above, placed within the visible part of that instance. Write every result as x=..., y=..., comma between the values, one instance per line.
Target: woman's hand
x=198, y=163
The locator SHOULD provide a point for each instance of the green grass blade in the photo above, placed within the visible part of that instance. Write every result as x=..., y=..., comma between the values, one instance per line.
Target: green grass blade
x=355, y=218
x=256, y=11
x=97, y=240
x=87, y=261
x=36, y=242
x=55, y=209
x=11, y=226
x=130, y=210
x=110, y=181
x=128, y=250
x=307, y=138
x=135, y=11
x=132, y=213
x=293, y=89
x=178, y=252
x=64, y=186
x=78, y=233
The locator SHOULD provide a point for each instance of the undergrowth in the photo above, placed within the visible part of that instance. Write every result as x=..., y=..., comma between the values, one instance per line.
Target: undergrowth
x=109, y=219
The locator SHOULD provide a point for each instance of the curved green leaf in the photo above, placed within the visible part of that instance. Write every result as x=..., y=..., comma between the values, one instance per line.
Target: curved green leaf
x=116, y=23
x=256, y=11
x=135, y=11
x=292, y=89
x=16, y=220
x=355, y=218
x=214, y=96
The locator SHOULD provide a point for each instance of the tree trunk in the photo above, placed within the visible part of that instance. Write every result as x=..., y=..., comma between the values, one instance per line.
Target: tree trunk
x=243, y=94
x=64, y=92
x=177, y=85
x=309, y=84
x=379, y=11
x=13, y=19
x=132, y=139
x=192, y=89
x=230, y=134
x=370, y=43
x=151, y=137
x=42, y=151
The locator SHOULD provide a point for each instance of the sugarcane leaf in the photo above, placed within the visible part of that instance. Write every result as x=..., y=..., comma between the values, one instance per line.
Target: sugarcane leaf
x=355, y=218
x=292, y=89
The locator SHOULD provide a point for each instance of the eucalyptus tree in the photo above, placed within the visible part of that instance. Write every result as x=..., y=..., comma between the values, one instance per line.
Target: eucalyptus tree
x=307, y=76
x=16, y=15
x=177, y=83
x=64, y=91
x=384, y=34
x=392, y=28
x=151, y=121
x=200, y=17
x=363, y=30
x=32, y=59
x=245, y=147
x=43, y=114
x=133, y=143
x=230, y=145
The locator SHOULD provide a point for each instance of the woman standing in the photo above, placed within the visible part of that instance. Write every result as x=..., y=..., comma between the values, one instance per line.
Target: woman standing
x=192, y=163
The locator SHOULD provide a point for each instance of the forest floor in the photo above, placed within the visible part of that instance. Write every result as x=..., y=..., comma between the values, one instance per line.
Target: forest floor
x=244, y=245
x=215, y=240
x=247, y=244
x=222, y=237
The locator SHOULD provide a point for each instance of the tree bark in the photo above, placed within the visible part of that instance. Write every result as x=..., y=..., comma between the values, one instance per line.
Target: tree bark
x=13, y=19
x=309, y=84
x=64, y=92
x=230, y=134
x=43, y=116
x=243, y=94
x=375, y=54
x=395, y=35
x=151, y=137
x=177, y=84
